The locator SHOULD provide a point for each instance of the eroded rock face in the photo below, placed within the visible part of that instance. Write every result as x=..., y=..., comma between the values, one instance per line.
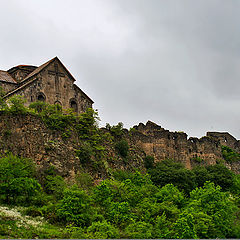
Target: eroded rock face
x=28, y=136
x=162, y=144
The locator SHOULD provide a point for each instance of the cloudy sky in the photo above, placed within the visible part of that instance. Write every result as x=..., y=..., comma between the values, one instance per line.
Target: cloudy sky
x=174, y=62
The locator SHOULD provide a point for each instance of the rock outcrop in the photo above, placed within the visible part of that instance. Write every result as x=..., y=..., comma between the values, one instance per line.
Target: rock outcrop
x=162, y=144
x=28, y=136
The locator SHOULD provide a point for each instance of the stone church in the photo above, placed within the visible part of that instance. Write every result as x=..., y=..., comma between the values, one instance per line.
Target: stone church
x=51, y=82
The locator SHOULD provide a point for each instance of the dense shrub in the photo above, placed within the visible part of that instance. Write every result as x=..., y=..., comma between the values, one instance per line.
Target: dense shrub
x=17, y=183
x=84, y=180
x=139, y=230
x=16, y=105
x=117, y=130
x=102, y=230
x=122, y=147
x=230, y=155
x=221, y=176
x=149, y=162
x=75, y=207
x=168, y=171
x=85, y=153
x=38, y=106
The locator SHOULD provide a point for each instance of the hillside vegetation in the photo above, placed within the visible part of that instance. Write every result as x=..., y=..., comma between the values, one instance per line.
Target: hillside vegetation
x=163, y=200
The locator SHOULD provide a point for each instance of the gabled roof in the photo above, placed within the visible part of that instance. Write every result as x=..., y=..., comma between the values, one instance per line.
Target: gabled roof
x=39, y=69
x=26, y=81
x=6, y=77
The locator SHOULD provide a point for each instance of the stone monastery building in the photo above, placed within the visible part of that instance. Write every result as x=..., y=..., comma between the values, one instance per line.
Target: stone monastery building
x=51, y=82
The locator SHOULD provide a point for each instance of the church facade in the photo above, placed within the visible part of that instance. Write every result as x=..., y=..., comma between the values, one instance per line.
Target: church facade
x=51, y=82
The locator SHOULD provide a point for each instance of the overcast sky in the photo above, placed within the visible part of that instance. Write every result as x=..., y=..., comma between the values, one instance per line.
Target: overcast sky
x=174, y=62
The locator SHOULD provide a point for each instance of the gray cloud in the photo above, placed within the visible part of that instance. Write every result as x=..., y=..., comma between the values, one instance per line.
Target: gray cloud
x=173, y=62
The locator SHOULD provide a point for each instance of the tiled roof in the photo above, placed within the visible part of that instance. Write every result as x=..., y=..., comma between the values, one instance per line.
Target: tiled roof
x=6, y=77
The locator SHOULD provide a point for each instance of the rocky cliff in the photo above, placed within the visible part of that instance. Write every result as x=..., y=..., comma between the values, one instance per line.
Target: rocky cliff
x=162, y=144
x=28, y=136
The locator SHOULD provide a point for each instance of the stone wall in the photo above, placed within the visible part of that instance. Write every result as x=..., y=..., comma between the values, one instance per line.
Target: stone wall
x=162, y=144
x=7, y=86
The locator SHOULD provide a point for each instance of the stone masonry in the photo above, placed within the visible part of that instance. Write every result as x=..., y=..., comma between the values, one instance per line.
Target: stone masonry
x=51, y=82
x=162, y=144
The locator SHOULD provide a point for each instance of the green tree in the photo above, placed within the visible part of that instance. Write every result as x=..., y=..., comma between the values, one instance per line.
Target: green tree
x=38, y=106
x=17, y=183
x=221, y=176
x=168, y=171
x=102, y=230
x=219, y=206
x=201, y=175
x=139, y=230
x=184, y=227
x=119, y=213
x=163, y=228
x=75, y=207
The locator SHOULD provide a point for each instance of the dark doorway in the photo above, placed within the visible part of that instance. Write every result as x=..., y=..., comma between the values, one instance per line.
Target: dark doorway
x=73, y=105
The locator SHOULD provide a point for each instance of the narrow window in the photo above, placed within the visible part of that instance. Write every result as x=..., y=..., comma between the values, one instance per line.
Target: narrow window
x=73, y=105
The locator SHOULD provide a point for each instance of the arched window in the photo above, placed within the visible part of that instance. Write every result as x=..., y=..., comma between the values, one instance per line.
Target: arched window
x=41, y=97
x=73, y=105
x=58, y=102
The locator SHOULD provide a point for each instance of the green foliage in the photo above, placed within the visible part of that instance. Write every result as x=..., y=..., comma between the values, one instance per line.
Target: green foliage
x=17, y=184
x=184, y=227
x=122, y=147
x=87, y=126
x=119, y=213
x=75, y=232
x=168, y=171
x=102, y=230
x=85, y=153
x=139, y=230
x=17, y=105
x=197, y=160
x=103, y=194
x=149, y=162
x=201, y=175
x=38, y=106
x=218, y=205
x=162, y=228
x=170, y=193
x=75, y=207
x=221, y=176
x=117, y=130
x=84, y=180
x=230, y=155
x=131, y=206
x=55, y=185
x=121, y=175
x=54, y=117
